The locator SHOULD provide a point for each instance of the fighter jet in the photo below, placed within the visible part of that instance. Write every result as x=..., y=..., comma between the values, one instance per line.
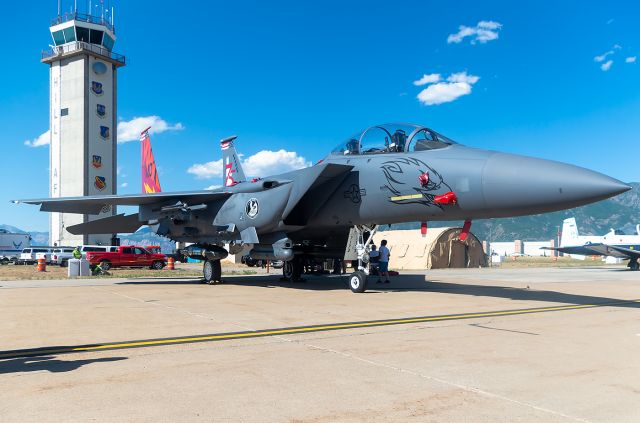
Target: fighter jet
x=615, y=244
x=385, y=174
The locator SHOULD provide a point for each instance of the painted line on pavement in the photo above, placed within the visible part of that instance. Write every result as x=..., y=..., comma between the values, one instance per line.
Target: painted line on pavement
x=226, y=336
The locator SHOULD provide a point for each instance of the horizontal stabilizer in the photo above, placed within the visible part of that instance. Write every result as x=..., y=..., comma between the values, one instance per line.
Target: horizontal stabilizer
x=118, y=224
x=94, y=204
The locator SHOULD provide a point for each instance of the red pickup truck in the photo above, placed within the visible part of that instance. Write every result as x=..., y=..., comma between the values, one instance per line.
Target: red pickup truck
x=127, y=256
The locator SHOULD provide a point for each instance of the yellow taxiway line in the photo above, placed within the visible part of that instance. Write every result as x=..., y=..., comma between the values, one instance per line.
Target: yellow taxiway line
x=34, y=352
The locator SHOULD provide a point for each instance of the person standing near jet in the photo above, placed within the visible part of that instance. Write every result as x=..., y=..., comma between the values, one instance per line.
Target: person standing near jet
x=383, y=261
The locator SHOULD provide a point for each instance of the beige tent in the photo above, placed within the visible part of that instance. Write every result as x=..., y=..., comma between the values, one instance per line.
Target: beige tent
x=440, y=248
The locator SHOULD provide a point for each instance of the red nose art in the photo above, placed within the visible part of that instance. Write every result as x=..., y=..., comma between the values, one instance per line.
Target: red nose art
x=447, y=198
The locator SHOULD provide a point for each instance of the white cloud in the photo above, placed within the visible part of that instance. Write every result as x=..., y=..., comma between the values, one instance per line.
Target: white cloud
x=124, y=184
x=630, y=59
x=463, y=77
x=610, y=21
x=483, y=32
x=263, y=163
x=427, y=79
x=129, y=130
x=606, y=65
x=213, y=187
x=43, y=139
x=206, y=170
x=603, y=56
x=266, y=162
x=456, y=85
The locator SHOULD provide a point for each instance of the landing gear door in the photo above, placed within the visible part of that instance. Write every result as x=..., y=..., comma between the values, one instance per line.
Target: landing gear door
x=350, y=252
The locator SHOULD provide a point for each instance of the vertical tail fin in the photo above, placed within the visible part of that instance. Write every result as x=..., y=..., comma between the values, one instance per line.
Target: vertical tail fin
x=232, y=172
x=150, y=180
x=569, y=232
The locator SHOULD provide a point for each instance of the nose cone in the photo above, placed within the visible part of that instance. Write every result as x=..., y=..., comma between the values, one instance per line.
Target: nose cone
x=517, y=185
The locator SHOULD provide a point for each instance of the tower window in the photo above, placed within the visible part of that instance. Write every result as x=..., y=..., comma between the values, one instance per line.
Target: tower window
x=64, y=112
x=69, y=34
x=96, y=36
x=107, y=41
x=58, y=38
x=82, y=34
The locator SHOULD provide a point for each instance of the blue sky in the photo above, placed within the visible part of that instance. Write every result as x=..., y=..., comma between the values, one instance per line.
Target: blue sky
x=301, y=76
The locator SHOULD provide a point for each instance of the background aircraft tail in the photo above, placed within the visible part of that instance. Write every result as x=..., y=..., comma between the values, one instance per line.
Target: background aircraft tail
x=232, y=172
x=150, y=180
x=569, y=232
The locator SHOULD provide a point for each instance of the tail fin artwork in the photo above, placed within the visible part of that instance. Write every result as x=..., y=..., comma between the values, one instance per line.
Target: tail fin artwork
x=232, y=172
x=150, y=181
x=569, y=232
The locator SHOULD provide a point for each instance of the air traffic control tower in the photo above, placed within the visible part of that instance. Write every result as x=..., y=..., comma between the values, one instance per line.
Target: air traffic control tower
x=83, y=94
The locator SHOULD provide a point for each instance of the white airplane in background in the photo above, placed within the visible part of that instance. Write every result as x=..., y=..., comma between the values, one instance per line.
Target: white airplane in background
x=615, y=243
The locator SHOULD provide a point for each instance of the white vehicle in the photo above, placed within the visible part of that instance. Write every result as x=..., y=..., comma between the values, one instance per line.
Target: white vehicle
x=11, y=245
x=32, y=254
x=61, y=256
x=101, y=248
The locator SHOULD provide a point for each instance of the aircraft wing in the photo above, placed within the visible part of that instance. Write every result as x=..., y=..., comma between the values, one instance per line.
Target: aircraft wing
x=120, y=224
x=583, y=250
x=94, y=204
x=615, y=251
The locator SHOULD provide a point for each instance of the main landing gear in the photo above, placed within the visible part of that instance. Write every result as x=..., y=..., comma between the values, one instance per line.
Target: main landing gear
x=633, y=264
x=358, y=279
x=292, y=269
x=212, y=272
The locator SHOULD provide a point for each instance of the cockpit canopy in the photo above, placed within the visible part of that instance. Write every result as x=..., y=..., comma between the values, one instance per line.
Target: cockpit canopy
x=392, y=138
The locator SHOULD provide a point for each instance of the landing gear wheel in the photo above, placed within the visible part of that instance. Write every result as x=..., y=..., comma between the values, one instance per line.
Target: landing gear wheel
x=292, y=269
x=358, y=281
x=633, y=264
x=212, y=271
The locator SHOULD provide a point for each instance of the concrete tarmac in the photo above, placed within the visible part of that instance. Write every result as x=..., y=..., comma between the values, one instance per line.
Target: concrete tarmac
x=575, y=363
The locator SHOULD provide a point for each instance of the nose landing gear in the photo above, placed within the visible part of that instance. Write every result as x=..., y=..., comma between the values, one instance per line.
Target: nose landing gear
x=358, y=279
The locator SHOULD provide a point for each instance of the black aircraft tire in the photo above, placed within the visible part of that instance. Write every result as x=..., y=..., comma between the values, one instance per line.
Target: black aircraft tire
x=358, y=282
x=212, y=271
x=292, y=269
x=634, y=265
x=217, y=271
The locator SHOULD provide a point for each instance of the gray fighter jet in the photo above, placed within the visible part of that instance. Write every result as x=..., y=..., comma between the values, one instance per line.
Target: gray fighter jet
x=385, y=174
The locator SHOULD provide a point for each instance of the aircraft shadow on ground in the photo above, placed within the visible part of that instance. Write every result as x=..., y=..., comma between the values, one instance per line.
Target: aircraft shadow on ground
x=403, y=283
x=48, y=363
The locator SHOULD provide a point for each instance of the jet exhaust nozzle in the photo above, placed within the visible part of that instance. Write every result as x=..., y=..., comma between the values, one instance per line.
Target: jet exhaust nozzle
x=205, y=251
